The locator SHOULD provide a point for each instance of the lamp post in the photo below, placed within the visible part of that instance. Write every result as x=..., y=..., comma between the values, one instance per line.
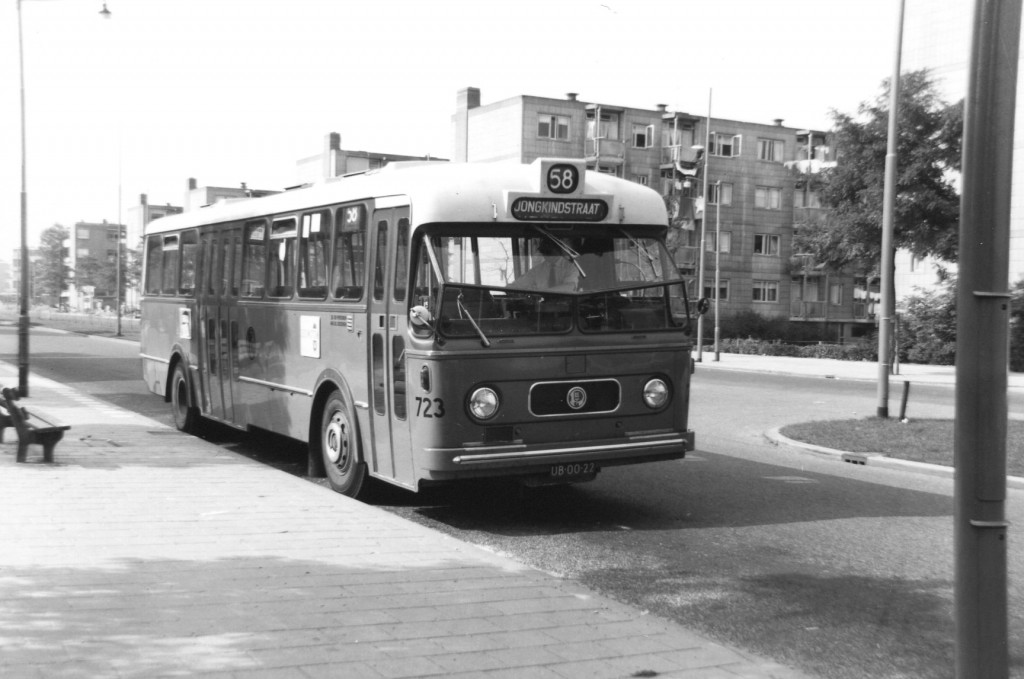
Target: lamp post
x=23, y=294
x=718, y=250
x=703, y=230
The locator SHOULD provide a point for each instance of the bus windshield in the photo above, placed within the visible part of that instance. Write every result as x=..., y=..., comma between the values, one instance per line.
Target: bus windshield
x=534, y=280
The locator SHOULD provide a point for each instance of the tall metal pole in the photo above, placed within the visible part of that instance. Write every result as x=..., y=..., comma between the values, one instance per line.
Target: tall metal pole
x=718, y=250
x=888, y=208
x=703, y=231
x=24, y=292
x=979, y=438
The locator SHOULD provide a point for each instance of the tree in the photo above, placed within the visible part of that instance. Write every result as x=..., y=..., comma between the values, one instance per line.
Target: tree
x=927, y=207
x=51, y=274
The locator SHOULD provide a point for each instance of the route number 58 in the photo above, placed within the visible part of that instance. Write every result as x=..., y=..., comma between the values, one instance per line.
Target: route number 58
x=563, y=178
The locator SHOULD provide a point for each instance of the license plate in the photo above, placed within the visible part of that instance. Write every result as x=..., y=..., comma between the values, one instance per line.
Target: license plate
x=574, y=469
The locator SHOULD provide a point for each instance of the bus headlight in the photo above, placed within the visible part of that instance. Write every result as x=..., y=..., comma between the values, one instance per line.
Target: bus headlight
x=483, y=403
x=655, y=393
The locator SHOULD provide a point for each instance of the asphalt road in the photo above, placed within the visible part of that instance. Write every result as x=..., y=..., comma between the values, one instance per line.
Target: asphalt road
x=844, y=571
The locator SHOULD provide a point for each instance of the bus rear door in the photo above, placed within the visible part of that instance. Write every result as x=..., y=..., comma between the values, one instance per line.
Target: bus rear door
x=392, y=456
x=218, y=328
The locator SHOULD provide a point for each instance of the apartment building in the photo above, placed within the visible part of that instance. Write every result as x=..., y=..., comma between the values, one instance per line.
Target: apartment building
x=747, y=184
x=92, y=243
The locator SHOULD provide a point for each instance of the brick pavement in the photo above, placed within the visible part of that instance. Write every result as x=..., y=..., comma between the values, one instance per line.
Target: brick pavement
x=144, y=552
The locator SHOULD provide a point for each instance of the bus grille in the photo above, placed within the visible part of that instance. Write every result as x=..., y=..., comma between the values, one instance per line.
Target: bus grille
x=572, y=398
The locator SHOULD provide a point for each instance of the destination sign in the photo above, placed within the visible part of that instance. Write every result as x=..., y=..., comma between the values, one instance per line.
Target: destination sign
x=533, y=209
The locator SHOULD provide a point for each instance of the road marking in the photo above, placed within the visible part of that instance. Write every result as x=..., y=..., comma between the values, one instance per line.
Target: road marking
x=791, y=479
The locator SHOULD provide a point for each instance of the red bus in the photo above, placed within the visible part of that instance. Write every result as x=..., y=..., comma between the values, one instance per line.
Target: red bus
x=430, y=322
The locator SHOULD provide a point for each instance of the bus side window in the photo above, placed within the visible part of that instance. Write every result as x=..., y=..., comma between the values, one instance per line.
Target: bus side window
x=402, y=260
x=349, y=261
x=154, y=264
x=236, y=261
x=281, y=262
x=169, y=267
x=314, y=243
x=254, y=259
x=380, y=265
x=424, y=282
x=189, y=261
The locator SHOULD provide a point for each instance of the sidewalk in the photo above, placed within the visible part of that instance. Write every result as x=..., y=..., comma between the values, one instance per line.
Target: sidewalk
x=835, y=369
x=145, y=552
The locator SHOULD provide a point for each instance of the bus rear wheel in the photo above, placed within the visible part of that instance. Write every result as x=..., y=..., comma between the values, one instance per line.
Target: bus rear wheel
x=186, y=415
x=340, y=449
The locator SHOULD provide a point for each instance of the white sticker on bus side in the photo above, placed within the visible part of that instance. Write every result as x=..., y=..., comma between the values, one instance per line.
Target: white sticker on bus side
x=184, y=323
x=309, y=340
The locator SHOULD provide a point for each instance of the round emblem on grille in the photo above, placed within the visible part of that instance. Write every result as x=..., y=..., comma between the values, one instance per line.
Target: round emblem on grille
x=576, y=398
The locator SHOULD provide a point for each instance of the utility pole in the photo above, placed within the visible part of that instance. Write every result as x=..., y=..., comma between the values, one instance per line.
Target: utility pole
x=979, y=438
x=888, y=208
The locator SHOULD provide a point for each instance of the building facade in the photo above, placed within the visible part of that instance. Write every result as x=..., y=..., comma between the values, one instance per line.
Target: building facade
x=92, y=253
x=747, y=184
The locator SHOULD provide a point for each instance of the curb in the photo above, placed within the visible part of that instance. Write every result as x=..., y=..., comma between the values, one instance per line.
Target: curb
x=775, y=437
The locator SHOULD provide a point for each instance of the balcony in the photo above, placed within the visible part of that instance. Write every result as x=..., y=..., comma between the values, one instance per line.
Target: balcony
x=800, y=310
x=687, y=156
x=605, y=151
x=810, y=215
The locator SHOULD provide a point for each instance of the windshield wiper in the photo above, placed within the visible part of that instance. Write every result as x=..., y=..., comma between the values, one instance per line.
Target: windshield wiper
x=469, y=317
x=564, y=247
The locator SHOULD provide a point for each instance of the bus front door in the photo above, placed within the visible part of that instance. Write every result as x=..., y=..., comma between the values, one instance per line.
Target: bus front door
x=391, y=450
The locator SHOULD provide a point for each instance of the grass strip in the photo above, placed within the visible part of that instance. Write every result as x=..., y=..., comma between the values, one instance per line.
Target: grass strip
x=918, y=440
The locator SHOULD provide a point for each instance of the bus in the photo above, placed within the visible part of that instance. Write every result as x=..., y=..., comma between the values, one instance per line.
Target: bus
x=395, y=322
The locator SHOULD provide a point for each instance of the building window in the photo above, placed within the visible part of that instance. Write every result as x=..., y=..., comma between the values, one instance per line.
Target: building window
x=642, y=179
x=767, y=198
x=83, y=252
x=643, y=136
x=723, y=289
x=607, y=127
x=803, y=198
x=83, y=233
x=724, y=236
x=770, y=149
x=835, y=294
x=725, y=145
x=717, y=190
x=766, y=244
x=553, y=127
x=765, y=291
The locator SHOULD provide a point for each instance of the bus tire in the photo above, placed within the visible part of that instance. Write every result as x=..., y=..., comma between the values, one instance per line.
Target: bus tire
x=186, y=414
x=340, y=449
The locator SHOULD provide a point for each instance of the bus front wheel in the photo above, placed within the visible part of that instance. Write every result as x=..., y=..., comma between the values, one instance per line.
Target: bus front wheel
x=186, y=415
x=339, y=446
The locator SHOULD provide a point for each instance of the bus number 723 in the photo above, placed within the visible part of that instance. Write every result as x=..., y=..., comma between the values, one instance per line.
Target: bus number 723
x=429, y=407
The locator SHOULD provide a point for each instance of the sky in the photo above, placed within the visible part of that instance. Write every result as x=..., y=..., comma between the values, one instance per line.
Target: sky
x=232, y=91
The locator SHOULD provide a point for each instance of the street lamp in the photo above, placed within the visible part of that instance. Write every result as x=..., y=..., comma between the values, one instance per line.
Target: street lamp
x=703, y=229
x=23, y=319
x=718, y=250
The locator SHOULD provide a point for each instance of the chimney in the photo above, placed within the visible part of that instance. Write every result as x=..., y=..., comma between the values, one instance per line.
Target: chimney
x=466, y=100
x=332, y=153
x=662, y=107
x=571, y=96
x=143, y=200
x=192, y=184
x=778, y=122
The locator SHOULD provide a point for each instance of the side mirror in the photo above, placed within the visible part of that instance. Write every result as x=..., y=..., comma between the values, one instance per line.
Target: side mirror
x=420, y=316
x=703, y=305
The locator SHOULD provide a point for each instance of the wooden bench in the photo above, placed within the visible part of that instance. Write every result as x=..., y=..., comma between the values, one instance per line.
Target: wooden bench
x=31, y=427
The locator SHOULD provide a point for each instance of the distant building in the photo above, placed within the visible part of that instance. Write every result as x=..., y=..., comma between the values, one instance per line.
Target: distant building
x=97, y=242
x=335, y=161
x=758, y=193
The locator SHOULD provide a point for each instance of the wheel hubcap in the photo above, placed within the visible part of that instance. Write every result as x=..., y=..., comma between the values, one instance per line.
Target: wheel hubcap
x=336, y=442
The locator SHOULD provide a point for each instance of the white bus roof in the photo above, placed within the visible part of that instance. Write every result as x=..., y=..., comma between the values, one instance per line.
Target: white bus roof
x=440, y=192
